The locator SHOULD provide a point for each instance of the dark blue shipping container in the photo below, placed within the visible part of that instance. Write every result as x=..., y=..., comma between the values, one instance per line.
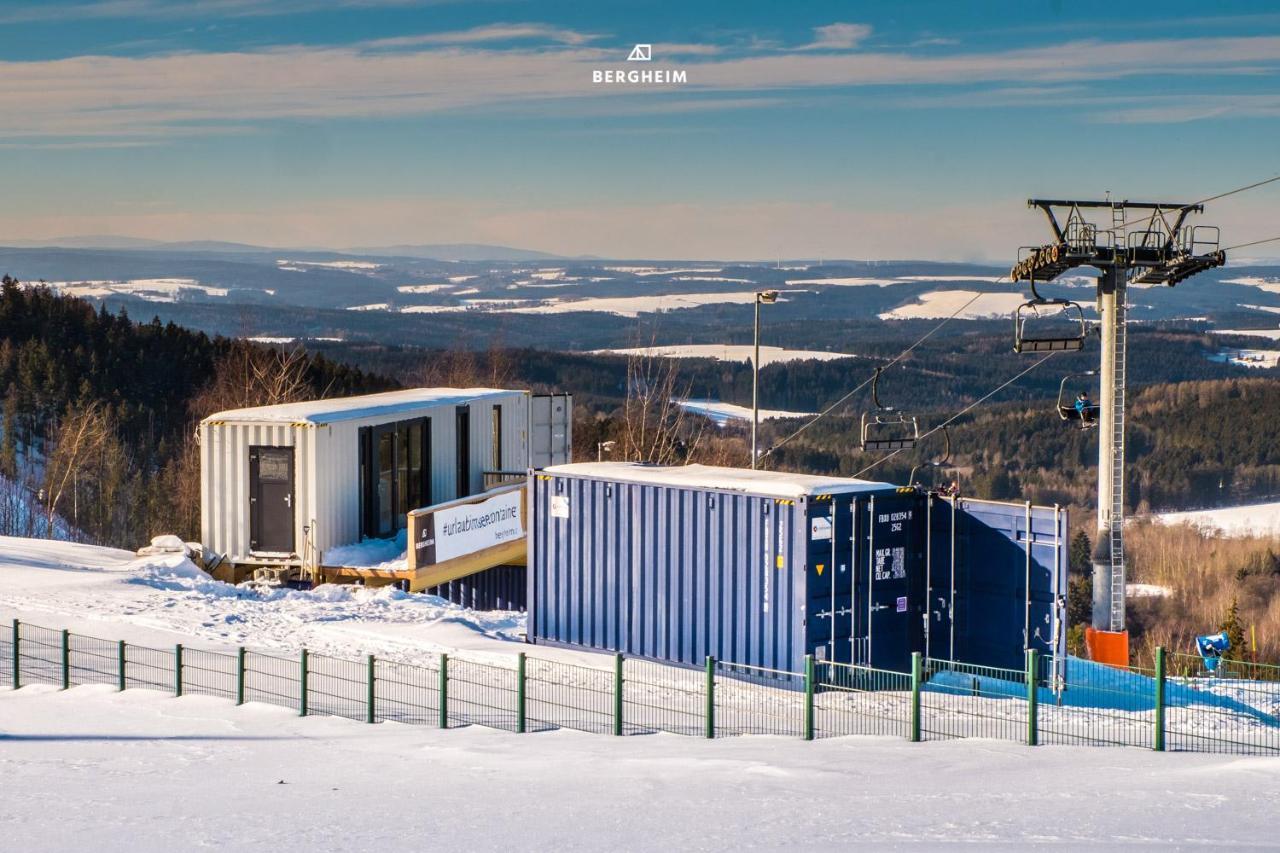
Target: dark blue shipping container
x=762, y=568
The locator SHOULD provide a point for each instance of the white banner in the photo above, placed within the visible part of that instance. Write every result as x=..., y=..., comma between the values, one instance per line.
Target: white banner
x=466, y=529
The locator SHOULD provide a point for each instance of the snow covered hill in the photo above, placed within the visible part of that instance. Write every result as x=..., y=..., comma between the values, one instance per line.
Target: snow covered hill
x=165, y=600
x=1233, y=521
x=147, y=772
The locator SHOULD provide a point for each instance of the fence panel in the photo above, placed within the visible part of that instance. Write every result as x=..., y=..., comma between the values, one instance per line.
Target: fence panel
x=859, y=700
x=1098, y=705
x=148, y=667
x=337, y=687
x=406, y=693
x=662, y=698
x=208, y=673
x=41, y=654
x=6, y=656
x=565, y=695
x=1234, y=711
x=752, y=700
x=93, y=661
x=960, y=700
x=482, y=694
x=271, y=679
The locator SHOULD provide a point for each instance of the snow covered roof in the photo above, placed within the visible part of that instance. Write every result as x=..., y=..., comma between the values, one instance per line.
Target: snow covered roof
x=388, y=404
x=776, y=484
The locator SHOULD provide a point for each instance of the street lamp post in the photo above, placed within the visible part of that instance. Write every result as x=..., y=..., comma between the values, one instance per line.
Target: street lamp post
x=767, y=297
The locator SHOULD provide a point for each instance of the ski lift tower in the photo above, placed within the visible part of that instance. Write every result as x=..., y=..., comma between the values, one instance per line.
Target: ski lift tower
x=1135, y=243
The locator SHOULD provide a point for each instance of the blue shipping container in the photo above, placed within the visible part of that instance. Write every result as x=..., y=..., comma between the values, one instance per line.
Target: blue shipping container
x=762, y=568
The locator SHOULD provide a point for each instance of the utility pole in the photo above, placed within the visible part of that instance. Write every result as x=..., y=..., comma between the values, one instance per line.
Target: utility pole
x=1157, y=247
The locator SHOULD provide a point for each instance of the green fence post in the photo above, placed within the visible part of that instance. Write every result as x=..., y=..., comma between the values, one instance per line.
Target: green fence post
x=808, y=697
x=177, y=670
x=520, y=697
x=302, y=686
x=444, y=690
x=1033, y=707
x=916, y=679
x=17, y=655
x=370, y=699
x=66, y=659
x=711, y=696
x=240, y=676
x=1160, y=675
x=617, y=694
x=122, y=661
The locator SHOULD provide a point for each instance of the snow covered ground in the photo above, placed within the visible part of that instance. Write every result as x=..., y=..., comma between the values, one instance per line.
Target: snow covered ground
x=943, y=303
x=1235, y=521
x=633, y=306
x=150, y=289
x=160, y=601
x=723, y=413
x=142, y=771
x=732, y=352
x=1269, y=334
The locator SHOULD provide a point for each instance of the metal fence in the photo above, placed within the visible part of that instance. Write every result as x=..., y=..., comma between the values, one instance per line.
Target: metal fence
x=1172, y=704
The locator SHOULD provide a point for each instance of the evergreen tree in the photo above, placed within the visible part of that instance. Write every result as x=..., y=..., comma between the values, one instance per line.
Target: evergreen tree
x=1081, y=554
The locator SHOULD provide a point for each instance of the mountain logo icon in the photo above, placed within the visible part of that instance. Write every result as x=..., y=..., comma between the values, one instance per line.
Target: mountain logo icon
x=641, y=53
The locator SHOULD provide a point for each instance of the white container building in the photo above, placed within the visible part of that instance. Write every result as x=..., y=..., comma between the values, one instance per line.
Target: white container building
x=282, y=484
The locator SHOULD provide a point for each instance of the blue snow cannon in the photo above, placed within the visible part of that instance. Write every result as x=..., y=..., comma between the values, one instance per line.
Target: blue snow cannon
x=1212, y=647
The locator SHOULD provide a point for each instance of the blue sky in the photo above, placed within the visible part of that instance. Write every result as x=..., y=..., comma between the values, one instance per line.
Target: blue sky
x=871, y=130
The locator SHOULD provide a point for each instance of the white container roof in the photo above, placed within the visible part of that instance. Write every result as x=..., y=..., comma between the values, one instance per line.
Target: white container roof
x=389, y=405
x=777, y=484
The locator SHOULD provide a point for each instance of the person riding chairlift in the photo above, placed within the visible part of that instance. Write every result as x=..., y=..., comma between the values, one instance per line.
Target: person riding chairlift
x=1087, y=411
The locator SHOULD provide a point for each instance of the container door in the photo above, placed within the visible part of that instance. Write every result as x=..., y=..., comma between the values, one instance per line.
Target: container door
x=271, y=527
x=830, y=567
x=893, y=582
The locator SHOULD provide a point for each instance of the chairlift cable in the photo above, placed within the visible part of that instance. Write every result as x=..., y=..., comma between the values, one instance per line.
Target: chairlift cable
x=1253, y=243
x=897, y=358
x=1205, y=200
x=966, y=409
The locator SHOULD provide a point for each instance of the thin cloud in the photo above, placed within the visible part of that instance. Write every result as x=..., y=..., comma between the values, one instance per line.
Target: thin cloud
x=85, y=96
x=838, y=36
x=490, y=33
x=41, y=12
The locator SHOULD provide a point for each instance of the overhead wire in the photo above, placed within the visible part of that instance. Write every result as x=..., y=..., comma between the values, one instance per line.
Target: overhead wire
x=1205, y=200
x=897, y=358
x=969, y=408
x=1252, y=243
x=840, y=402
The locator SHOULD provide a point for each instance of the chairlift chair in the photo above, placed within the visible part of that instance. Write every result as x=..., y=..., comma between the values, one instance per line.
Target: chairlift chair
x=887, y=429
x=1066, y=408
x=1060, y=341
x=935, y=464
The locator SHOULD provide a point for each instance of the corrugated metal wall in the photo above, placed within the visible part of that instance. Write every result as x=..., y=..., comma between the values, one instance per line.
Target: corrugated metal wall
x=1005, y=590
x=667, y=573
x=327, y=469
x=224, y=480
x=499, y=588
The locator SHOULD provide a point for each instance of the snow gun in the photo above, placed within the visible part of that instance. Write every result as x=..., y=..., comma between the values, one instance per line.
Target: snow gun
x=1212, y=647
